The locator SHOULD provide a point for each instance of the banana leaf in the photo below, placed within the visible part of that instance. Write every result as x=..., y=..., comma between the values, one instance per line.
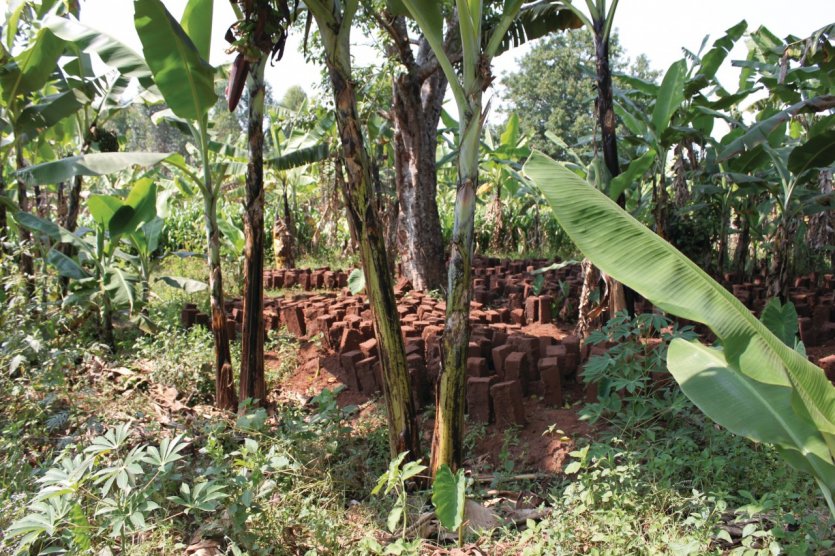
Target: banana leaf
x=632, y=254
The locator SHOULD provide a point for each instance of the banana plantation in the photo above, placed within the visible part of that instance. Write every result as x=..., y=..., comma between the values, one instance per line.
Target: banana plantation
x=586, y=306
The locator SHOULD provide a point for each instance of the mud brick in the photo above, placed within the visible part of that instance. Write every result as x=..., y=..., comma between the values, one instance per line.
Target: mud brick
x=516, y=367
x=341, y=279
x=417, y=376
x=555, y=351
x=530, y=346
x=409, y=319
x=808, y=334
x=477, y=366
x=545, y=313
x=187, y=315
x=366, y=328
x=350, y=341
x=820, y=316
x=348, y=361
x=499, y=337
x=514, y=301
x=409, y=332
x=482, y=295
x=828, y=365
x=478, y=316
x=432, y=331
x=517, y=316
x=293, y=318
x=532, y=309
x=367, y=375
x=544, y=342
x=271, y=320
x=507, y=403
x=499, y=354
x=552, y=385
x=354, y=310
x=369, y=348
x=572, y=344
x=352, y=321
x=291, y=278
x=304, y=281
x=329, y=280
x=479, y=407
x=323, y=323
x=415, y=345
x=828, y=332
x=334, y=335
x=202, y=319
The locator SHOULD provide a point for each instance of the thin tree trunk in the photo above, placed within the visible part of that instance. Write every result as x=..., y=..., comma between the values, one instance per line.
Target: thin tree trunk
x=27, y=267
x=252, y=384
x=362, y=217
x=448, y=438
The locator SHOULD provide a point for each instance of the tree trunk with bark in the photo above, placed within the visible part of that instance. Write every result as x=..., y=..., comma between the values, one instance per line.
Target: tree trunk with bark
x=357, y=189
x=418, y=95
x=252, y=384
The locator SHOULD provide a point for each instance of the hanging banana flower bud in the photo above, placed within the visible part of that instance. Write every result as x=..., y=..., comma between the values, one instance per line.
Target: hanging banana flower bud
x=237, y=79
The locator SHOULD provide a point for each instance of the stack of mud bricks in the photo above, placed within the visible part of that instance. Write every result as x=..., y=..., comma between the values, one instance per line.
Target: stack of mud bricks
x=305, y=279
x=812, y=297
x=505, y=365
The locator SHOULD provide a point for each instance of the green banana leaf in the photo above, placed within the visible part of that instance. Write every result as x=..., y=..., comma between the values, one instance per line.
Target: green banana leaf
x=630, y=253
x=112, y=52
x=761, y=412
x=95, y=164
x=29, y=71
x=197, y=23
x=184, y=78
x=35, y=118
x=670, y=96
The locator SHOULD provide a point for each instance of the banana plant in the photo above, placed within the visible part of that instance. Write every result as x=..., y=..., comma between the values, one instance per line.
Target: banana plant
x=334, y=20
x=477, y=51
x=103, y=275
x=753, y=383
x=500, y=159
x=177, y=53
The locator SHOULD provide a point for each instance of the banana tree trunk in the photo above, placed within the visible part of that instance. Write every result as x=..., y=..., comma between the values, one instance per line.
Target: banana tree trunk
x=74, y=203
x=252, y=384
x=778, y=272
x=448, y=438
x=497, y=235
x=741, y=253
x=364, y=220
x=283, y=234
x=27, y=266
x=619, y=299
x=417, y=111
x=4, y=224
x=225, y=397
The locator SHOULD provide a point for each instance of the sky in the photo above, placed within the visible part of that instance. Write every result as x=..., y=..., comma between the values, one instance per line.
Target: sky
x=657, y=28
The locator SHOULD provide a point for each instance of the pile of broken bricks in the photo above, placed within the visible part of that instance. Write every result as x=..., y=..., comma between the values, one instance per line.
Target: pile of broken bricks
x=504, y=364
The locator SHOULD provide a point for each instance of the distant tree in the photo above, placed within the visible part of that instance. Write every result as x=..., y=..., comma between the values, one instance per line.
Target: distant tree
x=293, y=98
x=554, y=89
